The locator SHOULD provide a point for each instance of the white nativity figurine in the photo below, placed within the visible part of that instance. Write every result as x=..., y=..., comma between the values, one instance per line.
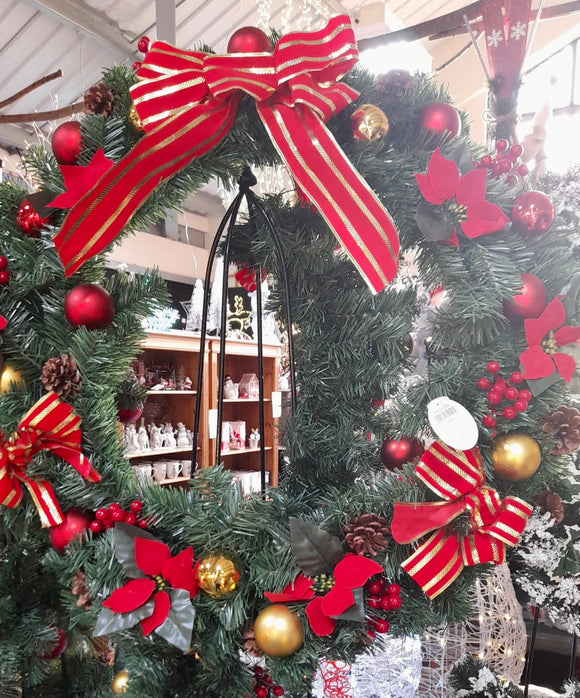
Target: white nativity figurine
x=189, y=437
x=168, y=436
x=154, y=436
x=254, y=438
x=182, y=440
x=130, y=438
x=143, y=439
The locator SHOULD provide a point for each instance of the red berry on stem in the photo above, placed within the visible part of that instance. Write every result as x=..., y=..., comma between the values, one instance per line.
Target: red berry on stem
x=258, y=670
x=394, y=602
x=494, y=397
x=130, y=519
x=143, y=44
x=483, y=384
x=489, y=421
x=516, y=150
x=525, y=395
x=4, y=277
x=142, y=523
x=511, y=393
x=501, y=145
x=393, y=590
x=277, y=690
x=385, y=602
x=517, y=377
x=3, y=262
x=137, y=65
x=136, y=506
x=261, y=692
x=523, y=170
x=96, y=526
x=493, y=367
x=486, y=161
x=521, y=405
x=374, y=602
x=382, y=626
x=101, y=514
x=118, y=515
x=509, y=412
x=376, y=587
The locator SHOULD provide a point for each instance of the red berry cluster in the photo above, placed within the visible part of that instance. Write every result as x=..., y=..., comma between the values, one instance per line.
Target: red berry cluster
x=109, y=516
x=386, y=597
x=4, y=273
x=506, y=161
x=143, y=46
x=264, y=686
x=503, y=390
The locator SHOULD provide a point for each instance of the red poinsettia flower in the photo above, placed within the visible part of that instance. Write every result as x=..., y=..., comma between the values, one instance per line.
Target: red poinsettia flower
x=544, y=335
x=163, y=571
x=442, y=182
x=298, y=590
x=3, y=322
x=79, y=179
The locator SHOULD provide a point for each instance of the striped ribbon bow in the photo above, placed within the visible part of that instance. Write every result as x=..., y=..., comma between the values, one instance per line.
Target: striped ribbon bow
x=458, y=477
x=187, y=103
x=50, y=425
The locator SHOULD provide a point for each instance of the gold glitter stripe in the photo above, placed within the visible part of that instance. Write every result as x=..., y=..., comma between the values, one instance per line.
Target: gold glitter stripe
x=178, y=53
x=425, y=557
x=440, y=485
x=508, y=530
x=442, y=574
x=169, y=90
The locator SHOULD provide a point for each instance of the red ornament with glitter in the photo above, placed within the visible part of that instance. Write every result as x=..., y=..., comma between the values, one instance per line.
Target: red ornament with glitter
x=440, y=118
x=532, y=213
x=249, y=40
x=29, y=221
x=529, y=302
x=67, y=143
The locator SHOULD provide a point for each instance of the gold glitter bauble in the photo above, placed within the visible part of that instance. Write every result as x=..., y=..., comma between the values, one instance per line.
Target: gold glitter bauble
x=8, y=376
x=134, y=118
x=369, y=123
x=515, y=456
x=217, y=575
x=278, y=631
x=120, y=682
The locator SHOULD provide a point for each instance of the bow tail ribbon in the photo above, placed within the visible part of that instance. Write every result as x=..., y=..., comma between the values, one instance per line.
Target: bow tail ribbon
x=354, y=214
x=40, y=491
x=97, y=219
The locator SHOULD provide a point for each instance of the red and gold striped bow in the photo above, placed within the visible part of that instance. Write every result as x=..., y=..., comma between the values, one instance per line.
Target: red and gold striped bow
x=50, y=425
x=187, y=102
x=458, y=477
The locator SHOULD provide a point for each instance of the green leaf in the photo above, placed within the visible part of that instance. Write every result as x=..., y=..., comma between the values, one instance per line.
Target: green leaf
x=357, y=611
x=314, y=550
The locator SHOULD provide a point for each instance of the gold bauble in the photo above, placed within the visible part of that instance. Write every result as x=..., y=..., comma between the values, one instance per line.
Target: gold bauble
x=9, y=375
x=515, y=456
x=369, y=123
x=217, y=575
x=120, y=682
x=134, y=118
x=278, y=631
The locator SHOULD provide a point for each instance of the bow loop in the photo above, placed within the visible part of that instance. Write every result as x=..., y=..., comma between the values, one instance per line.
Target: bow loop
x=21, y=447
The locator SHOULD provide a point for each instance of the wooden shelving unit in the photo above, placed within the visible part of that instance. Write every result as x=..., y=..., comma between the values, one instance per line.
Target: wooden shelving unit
x=182, y=350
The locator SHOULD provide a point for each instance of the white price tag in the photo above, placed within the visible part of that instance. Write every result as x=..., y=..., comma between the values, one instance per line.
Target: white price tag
x=276, y=404
x=452, y=423
x=212, y=423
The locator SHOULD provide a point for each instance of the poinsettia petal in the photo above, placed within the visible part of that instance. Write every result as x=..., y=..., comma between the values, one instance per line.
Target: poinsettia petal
x=337, y=600
x=443, y=175
x=151, y=555
x=536, y=363
x=566, y=335
x=565, y=365
x=551, y=317
x=483, y=217
x=130, y=596
x=298, y=590
x=452, y=240
x=355, y=570
x=427, y=190
x=160, y=613
x=320, y=623
x=471, y=188
x=178, y=571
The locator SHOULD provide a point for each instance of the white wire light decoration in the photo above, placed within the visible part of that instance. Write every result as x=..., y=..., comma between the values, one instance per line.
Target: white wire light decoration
x=441, y=647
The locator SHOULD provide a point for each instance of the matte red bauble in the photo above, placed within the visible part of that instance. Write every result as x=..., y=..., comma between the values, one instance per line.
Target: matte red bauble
x=529, y=302
x=59, y=648
x=67, y=143
x=29, y=221
x=74, y=523
x=249, y=40
x=533, y=212
x=129, y=416
x=440, y=118
x=395, y=453
x=89, y=305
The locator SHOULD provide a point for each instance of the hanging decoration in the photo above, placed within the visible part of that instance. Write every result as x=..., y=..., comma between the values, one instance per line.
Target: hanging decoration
x=74, y=524
x=529, y=301
x=67, y=143
x=369, y=123
x=50, y=425
x=396, y=452
x=458, y=477
x=158, y=595
x=98, y=99
x=440, y=119
x=90, y=306
x=217, y=575
x=187, y=101
x=278, y=631
x=29, y=220
x=515, y=456
x=532, y=213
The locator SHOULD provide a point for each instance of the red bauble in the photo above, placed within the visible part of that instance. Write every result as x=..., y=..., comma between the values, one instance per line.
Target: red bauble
x=89, y=305
x=395, y=453
x=29, y=221
x=530, y=302
x=129, y=416
x=67, y=143
x=533, y=212
x=249, y=40
x=75, y=522
x=440, y=118
x=59, y=648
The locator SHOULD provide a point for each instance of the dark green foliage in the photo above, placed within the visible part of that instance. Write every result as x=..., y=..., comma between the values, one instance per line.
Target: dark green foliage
x=469, y=672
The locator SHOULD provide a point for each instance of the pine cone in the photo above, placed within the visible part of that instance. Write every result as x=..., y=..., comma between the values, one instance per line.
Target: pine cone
x=366, y=534
x=564, y=426
x=550, y=501
x=61, y=375
x=79, y=588
x=249, y=643
x=99, y=100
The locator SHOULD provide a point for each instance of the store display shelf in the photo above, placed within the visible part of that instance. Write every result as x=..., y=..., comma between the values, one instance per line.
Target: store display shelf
x=158, y=452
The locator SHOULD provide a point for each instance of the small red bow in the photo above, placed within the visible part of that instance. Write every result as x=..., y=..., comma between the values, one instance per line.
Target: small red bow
x=50, y=425
x=458, y=477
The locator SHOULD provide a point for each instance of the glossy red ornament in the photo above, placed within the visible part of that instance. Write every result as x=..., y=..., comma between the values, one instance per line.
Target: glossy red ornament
x=396, y=452
x=89, y=305
x=143, y=44
x=59, y=648
x=29, y=221
x=74, y=523
x=532, y=213
x=440, y=118
x=67, y=143
x=129, y=416
x=249, y=40
x=529, y=302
